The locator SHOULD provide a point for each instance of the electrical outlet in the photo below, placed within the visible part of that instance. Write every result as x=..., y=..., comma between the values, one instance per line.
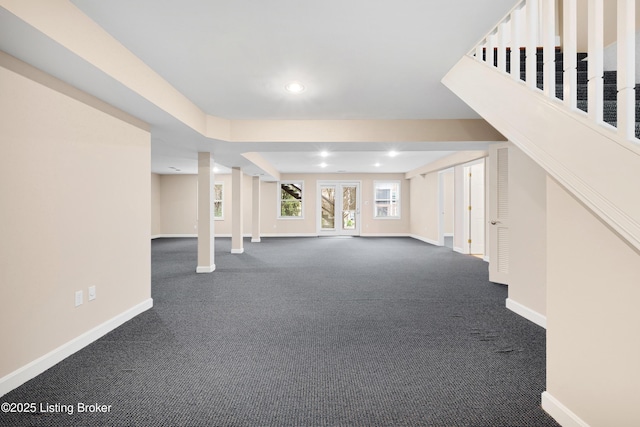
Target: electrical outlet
x=92, y=293
x=79, y=298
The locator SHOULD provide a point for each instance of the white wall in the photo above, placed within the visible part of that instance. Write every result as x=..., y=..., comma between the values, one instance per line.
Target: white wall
x=527, y=233
x=593, y=321
x=75, y=188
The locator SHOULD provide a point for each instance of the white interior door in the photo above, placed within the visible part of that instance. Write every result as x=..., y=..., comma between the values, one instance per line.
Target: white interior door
x=499, y=213
x=339, y=205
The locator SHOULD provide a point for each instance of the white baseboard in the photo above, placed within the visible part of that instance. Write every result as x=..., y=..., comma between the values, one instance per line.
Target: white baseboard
x=237, y=251
x=448, y=234
x=156, y=236
x=170, y=236
x=206, y=269
x=33, y=369
x=562, y=414
x=385, y=235
x=460, y=250
x=255, y=240
x=527, y=313
x=290, y=235
x=426, y=240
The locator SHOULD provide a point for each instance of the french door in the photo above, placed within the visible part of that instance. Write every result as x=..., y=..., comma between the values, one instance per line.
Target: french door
x=339, y=208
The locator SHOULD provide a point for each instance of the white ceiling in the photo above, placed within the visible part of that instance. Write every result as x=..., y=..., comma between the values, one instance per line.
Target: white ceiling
x=359, y=59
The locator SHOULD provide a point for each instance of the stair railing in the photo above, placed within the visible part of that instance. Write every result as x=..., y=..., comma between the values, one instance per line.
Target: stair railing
x=531, y=25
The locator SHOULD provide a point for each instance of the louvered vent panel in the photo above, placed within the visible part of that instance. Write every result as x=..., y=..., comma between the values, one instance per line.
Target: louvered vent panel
x=503, y=250
x=503, y=183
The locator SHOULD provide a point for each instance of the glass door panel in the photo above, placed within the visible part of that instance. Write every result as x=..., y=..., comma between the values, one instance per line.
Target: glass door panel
x=349, y=207
x=328, y=207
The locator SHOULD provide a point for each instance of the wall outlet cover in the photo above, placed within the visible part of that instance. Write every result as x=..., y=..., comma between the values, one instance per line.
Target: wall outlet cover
x=79, y=298
x=92, y=293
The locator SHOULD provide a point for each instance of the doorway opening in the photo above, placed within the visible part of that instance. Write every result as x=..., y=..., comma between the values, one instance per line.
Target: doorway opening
x=339, y=208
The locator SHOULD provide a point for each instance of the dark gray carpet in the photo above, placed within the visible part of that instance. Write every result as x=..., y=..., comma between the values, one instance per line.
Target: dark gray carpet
x=308, y=332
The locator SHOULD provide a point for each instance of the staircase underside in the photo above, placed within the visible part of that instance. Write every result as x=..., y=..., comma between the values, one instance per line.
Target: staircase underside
x=601, y=169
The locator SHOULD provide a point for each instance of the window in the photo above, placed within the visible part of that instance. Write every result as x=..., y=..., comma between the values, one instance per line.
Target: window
x=290, y=200
x=218, y=192
x=386, y=199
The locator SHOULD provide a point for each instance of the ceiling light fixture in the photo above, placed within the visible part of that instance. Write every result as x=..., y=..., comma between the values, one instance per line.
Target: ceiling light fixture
x=393, y=153
x=324, y=154
x=323, y=165
x=377, y=165
x=295, y=87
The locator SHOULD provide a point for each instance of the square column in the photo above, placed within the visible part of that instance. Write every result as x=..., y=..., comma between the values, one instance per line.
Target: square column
x=237, y=246
x=255, y=212
x=206, y=257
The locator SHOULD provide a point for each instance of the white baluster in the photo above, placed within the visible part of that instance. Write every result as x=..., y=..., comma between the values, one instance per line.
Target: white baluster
x=595, y=74
x=491, y=44
x=549, y=46
x=626, y=69
x=479, y=51
x=532, y=42
x=570, y=53
x=516, y=42
x=502, y=47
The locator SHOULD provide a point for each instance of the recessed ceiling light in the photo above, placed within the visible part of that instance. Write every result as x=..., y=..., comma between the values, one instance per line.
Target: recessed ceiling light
x=323, y=165
x=295, y=87
x=393, y=153
x=377, y=165
x=324, y=154
x=216, y=170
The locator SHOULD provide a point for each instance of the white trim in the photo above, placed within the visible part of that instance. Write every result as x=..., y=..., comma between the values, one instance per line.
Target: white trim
x=527, y=313
x=237, y=251
x=156, y=236
x=290, y=235
x=255, y=240
x=561, y=413
x=385, y=235
x=229, y=235
x=206, y=269
x=460, y=250
x=486, y=258
x=33, y=369
x=426, y=240
x=171, y=236
x=448, y=234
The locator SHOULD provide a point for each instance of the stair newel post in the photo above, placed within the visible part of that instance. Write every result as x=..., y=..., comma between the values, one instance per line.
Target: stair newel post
x=515, y=43
x=502, y=47
x=532, y=42
x=595, y=73
x=570, y=52
x=491, y=45
x=549, y=47
x=626, y=69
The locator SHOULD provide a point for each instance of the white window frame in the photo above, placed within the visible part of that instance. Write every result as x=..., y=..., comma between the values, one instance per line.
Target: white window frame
x=398, y=199
x=221, y=217
x=279, y=199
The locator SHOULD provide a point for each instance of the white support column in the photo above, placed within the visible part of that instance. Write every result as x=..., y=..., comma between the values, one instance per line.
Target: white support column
x=237, y=245
x=532, y=42
x=516, y=43
x=206, y=239
x=549, y=46
x=502, y=47
x=570, y=53
x=626, y=69
x=255, y=211
x=596, y=61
